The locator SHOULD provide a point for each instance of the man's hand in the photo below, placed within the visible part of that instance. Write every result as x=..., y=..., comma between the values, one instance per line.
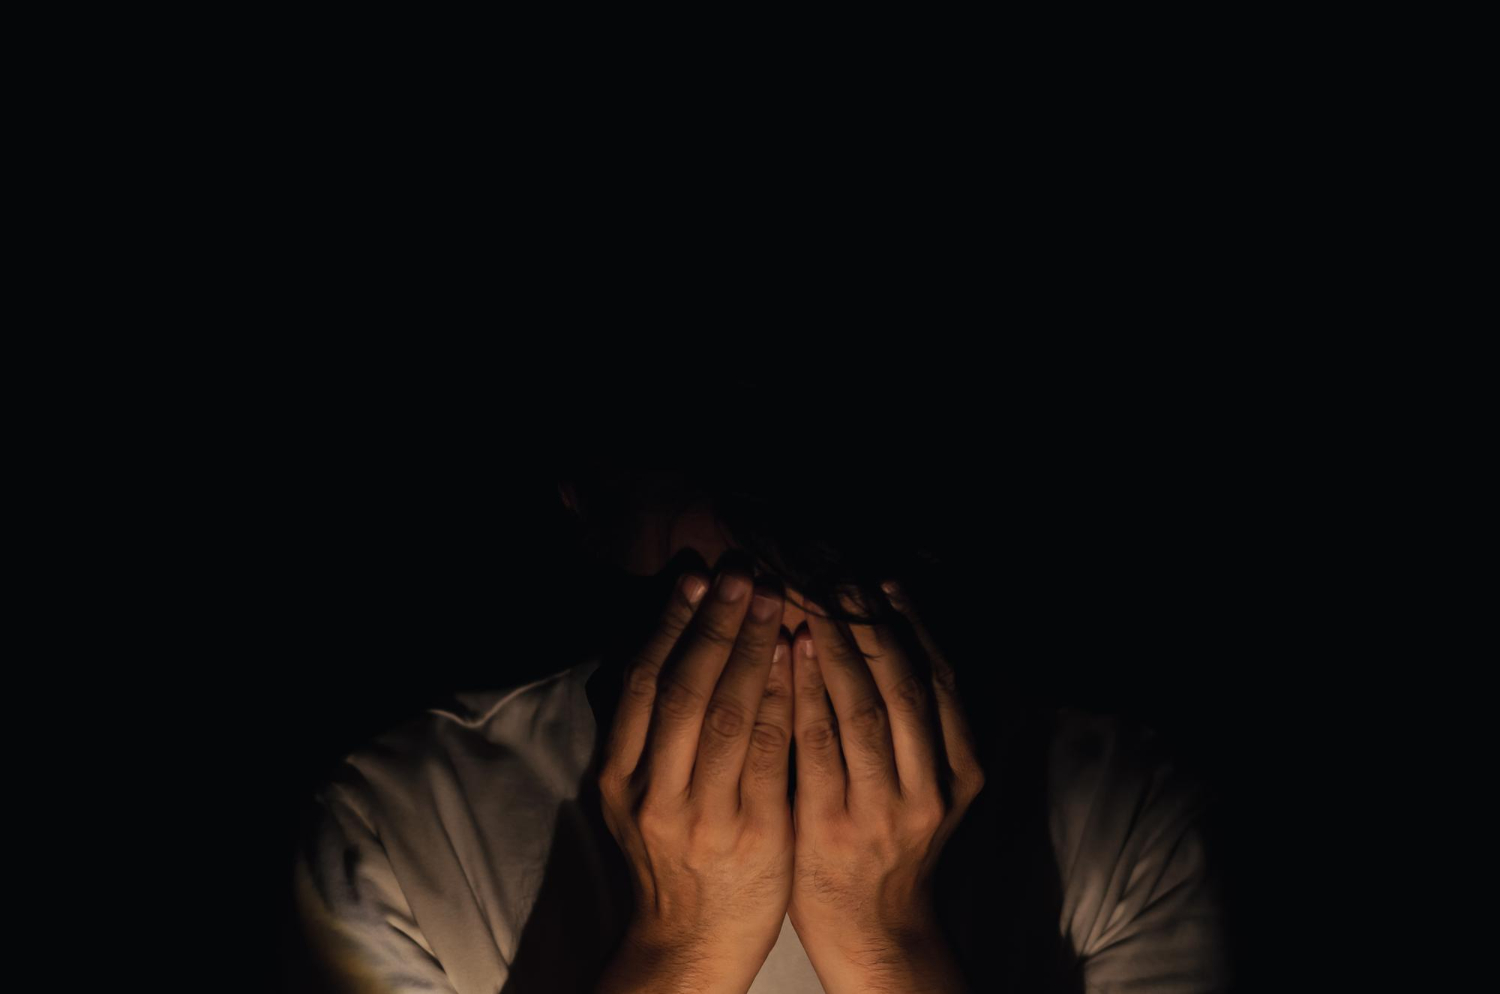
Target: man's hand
x=881, y=786
x=694, y=789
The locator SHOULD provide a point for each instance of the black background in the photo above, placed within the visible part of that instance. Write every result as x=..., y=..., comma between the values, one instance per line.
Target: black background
x=1169, y=357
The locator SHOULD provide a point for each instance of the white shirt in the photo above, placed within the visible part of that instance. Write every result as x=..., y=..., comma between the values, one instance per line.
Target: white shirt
x=459, y=853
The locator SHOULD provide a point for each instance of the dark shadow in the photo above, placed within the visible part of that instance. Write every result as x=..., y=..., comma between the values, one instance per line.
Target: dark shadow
x=585, y=901
x=998, y=889
x=582, y=909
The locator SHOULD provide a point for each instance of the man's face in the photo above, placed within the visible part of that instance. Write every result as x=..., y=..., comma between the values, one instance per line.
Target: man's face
x=694, y=528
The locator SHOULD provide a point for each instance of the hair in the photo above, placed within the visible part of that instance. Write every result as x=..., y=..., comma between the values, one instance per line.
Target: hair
x=822, y=536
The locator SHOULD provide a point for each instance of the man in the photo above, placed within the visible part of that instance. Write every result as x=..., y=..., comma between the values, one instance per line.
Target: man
x=467, y=850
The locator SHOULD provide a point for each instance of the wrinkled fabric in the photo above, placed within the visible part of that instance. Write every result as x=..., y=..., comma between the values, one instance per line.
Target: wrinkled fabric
x=464, y=852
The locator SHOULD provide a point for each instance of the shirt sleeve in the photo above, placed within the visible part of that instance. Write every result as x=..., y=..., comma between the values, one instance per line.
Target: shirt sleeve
x=356, y=921
x=1141, y=902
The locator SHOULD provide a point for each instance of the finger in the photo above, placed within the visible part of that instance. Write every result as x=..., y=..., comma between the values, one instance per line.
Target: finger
x=915, y=732
x=627, y=735
x=687, y=683
x=763, y=788
x=821, y=777
x=732, y=716
x=958, y=736
x=864, y=725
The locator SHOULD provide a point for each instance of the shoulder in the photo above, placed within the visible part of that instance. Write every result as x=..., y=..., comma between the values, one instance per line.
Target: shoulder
x=354, y=926
x=525, y=738
x=505, y=728
x=396, y=826
x=1125, y=819
x=1112, y=779
x=1090, y=749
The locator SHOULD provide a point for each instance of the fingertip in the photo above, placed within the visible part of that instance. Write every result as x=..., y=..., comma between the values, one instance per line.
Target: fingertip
x=781, y=664
x=852, y=603
x=806, y=676
x=807, y=648
x=895, y=595
x=693, y=588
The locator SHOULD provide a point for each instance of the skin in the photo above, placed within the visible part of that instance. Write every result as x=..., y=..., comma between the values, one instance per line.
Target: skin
x=693, y=787
x=871, y=815
x=875, y=747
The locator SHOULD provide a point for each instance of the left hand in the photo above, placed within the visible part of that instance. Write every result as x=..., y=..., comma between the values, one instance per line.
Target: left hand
x=876, y=797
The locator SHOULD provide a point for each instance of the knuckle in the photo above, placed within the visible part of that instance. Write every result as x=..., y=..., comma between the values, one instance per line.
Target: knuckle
x=725, y=717
x=927, y=818
x=943, y=674
x=661, y=641
x=820, y=734
x=756, y=644
x=767, y=739
x=608, y=783
x=675, y=622
x=717, y=634
x=844, y=657
x=654, y=809
x=677, y=700
x=911, y=694
x=972, y=783
x=610, y=773
x=886, y=829
x=651, y=820
x=640, y=682
x=704, y=830
x=868, y=717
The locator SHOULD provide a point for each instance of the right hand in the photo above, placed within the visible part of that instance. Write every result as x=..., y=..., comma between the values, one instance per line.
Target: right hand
x=694, y=782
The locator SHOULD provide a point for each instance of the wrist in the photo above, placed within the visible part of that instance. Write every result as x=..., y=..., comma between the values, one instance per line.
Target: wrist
x=915, y=958
x=649, y=961
x=858, y=941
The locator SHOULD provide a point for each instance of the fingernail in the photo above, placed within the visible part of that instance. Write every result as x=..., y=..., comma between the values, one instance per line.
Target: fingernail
x=732, y=586
x=693, y=588
x=896, y=595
